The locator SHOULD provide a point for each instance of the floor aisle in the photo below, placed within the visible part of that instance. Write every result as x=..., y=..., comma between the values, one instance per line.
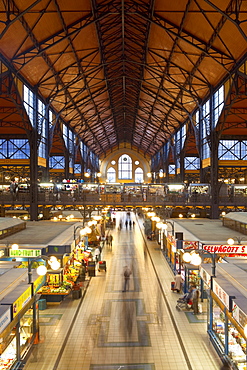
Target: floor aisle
x=124, y=330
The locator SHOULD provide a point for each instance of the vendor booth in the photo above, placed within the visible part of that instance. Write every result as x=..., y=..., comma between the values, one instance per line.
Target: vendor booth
x=227, y=315
x=19, y=322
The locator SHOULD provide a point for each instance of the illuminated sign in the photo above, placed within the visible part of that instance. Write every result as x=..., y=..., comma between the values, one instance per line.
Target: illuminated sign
x=226, y=249
x=24, y=252
x=190, y=244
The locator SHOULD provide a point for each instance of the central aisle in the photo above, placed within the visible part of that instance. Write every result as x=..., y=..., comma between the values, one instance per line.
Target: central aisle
x=113, y=329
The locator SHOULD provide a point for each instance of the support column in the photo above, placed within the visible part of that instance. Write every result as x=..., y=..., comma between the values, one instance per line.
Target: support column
x=181, y=175
x=33, y=176
x=214, y=176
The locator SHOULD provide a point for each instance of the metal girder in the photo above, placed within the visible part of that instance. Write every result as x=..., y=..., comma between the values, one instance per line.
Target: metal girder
x=233, y=9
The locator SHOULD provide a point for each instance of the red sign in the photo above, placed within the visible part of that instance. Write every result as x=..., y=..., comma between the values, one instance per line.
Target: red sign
x=226, y=249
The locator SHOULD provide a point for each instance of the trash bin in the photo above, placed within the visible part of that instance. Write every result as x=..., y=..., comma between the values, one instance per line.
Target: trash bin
x=76, y=294
x=42, y=304
x=91, y=268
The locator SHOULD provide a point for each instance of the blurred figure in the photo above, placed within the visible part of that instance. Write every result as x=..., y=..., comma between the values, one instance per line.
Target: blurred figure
x=13, y=189
x=130, y=224
x=110, y=239
x=127, y=273
x=97, y=254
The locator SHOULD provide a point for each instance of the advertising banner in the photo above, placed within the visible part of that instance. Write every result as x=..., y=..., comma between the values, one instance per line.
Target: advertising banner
x=226, y=249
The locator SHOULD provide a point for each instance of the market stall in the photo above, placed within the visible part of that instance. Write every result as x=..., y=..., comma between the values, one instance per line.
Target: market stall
x=56, y=288
x=227, y=318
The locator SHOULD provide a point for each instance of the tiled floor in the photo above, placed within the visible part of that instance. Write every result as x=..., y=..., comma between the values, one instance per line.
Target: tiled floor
x=136, y=330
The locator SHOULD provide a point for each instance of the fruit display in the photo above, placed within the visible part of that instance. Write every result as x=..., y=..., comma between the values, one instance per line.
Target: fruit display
x=48, y=289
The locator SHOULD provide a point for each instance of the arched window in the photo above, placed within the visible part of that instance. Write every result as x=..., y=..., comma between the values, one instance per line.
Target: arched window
x=111, y=174
x=125, y=167
x=139, y=174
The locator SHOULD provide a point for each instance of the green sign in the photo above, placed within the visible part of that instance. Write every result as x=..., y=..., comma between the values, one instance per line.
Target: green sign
x=24, y=252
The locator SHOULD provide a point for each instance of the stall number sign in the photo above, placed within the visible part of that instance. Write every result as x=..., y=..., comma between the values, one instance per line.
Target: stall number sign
x=239, y=315
x=226, y=249
x=221, y=294
x=24, y=252
x=5, y=320
x=22, y=301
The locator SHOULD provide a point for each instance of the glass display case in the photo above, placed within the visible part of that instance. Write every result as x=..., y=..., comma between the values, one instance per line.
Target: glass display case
x=228, y=338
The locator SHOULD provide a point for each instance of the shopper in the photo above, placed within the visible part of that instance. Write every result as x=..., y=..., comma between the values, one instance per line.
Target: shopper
x=178, y=283
x=195, y=299
x=97, y=254
x=110, y=240
x=127, y=273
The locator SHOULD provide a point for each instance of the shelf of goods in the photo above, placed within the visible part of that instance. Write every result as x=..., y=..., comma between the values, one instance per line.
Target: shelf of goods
x=71, y=274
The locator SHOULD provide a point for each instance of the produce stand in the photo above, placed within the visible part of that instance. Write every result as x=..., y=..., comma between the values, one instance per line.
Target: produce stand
x=56, y=289
x=54, y=297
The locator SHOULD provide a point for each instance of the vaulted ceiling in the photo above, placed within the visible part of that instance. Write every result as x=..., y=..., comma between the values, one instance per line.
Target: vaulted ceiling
x=123, y=71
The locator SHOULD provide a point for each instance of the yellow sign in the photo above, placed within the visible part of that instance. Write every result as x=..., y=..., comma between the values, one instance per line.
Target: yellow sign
x=25, y=252
x=39, y=282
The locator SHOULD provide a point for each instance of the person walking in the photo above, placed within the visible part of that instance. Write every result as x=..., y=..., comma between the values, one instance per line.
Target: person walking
x=126, y=224
x=97, y=254
x=110, y=240
x=127, y=273
x=178, y=283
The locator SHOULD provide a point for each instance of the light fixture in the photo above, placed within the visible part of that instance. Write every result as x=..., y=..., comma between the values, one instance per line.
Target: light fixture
x=193, y=215
x=86, y=174
x=97, y=218
x=187, y=257
x=230, y=241
x=196, y=259
x=136, y=163
x=113, y=162
x=82, y=232
x=88, y=230
x=156, y=219
x=55, y=265
x=99, y=174
x=180, y=215
x=41, y=270
x=149, y=174
x=15, y=247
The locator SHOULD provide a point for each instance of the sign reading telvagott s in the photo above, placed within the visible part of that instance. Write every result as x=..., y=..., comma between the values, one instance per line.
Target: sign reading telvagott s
x=226, y=249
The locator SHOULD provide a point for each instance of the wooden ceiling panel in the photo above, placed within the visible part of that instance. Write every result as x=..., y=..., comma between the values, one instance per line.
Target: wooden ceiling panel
x=123, y=71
